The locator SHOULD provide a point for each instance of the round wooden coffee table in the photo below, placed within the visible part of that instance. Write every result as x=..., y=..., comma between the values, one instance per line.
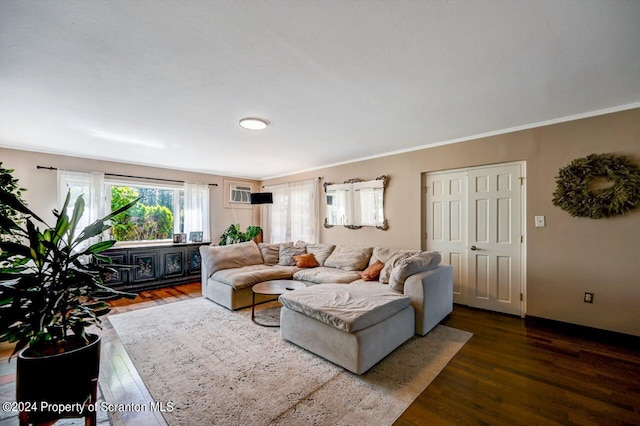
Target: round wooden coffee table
x=272, y=288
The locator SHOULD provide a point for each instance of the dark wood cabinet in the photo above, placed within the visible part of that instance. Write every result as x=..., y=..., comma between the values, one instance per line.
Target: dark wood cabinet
x=155, y=266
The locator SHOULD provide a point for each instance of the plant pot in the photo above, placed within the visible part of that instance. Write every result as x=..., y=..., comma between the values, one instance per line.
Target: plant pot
x=65, y=378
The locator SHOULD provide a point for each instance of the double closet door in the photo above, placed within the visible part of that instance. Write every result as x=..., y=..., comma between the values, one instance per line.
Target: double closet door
x=474, y=218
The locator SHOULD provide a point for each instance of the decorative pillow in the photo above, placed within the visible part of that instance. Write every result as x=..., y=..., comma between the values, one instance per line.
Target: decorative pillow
x=349, y=258
x=271, y=252
x=215, y=258
x=412, y=265
x=390, y=264
x=383, y=254
x=306, y=261
x=287, y=253
x=372, y=272
x=320, y=251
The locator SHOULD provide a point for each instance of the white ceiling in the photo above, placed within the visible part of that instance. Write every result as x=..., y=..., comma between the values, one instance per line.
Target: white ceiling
x=165, y=83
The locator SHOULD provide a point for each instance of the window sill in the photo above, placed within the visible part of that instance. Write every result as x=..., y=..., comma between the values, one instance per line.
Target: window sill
x=153, y=243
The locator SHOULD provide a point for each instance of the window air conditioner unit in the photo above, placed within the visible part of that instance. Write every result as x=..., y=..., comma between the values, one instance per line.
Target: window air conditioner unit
x=240, y=194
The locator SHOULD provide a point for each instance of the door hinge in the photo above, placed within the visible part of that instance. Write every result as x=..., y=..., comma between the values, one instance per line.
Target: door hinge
x=521, y=297
x=521, y=180
x=522, y=238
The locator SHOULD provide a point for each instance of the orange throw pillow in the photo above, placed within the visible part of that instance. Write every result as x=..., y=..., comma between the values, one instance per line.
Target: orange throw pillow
x=306, y=261
x=372, y=272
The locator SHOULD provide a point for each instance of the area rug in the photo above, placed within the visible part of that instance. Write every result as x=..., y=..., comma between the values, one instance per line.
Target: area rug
x=217, y=367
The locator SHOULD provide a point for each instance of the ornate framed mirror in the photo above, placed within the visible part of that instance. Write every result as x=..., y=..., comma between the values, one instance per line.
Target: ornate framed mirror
x=356, y=203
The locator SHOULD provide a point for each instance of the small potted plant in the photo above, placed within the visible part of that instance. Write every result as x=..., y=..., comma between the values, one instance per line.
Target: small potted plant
x=49, y=294
x=233, y=234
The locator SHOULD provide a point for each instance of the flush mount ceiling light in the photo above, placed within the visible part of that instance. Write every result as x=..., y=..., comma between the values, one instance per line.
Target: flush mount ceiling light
x=251, y=123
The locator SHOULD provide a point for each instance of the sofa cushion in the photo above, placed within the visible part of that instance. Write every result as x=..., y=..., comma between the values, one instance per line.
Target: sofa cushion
x=348, y=308
x=320, y=251
x=349, y=258
x=216, y=258
x=372, y=272
x=287, y=252
x=383, y=254
x=408, y=266
x=248, y=276
x=306, y=261
x=270, y=252
x=385, y=274
x=322, y=275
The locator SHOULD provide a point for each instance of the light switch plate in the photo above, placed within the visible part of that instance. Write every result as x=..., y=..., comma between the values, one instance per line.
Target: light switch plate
x=540, y=223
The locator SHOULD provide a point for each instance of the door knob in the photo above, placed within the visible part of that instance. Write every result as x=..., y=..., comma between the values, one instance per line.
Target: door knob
x=474, y=248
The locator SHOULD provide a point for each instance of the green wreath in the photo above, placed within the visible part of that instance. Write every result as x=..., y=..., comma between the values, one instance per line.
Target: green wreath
x=574, y=195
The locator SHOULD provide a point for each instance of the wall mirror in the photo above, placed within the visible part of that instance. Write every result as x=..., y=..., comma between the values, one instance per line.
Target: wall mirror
x=356, y=203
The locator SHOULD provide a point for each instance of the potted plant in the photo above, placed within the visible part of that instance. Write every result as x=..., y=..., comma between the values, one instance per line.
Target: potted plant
x=49, y=294
x=233, y=234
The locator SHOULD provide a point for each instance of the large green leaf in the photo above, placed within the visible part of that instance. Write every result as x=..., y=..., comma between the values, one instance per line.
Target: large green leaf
x=9, y=199
x=8, y=226
x=93, y=230
x=78, y=211
x=15, y=248
x=36, y=249
x=118, y=211
x=103, y=259
x=100, y=247
x=62, y=226
x=97, y=227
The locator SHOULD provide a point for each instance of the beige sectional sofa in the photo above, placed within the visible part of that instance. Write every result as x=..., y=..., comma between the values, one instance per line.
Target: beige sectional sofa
x=349, y=321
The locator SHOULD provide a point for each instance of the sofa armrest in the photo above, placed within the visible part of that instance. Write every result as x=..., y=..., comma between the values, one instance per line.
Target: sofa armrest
x=204, y=277
x=431, y=294
x=204, y=274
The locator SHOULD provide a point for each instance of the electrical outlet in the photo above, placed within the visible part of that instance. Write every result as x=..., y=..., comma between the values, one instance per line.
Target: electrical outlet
x=588, y=298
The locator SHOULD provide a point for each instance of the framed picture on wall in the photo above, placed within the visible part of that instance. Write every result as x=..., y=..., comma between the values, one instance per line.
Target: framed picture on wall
x=195, y=237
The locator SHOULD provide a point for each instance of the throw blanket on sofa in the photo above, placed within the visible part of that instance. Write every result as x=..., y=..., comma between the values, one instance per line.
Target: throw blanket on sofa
x=349, y=308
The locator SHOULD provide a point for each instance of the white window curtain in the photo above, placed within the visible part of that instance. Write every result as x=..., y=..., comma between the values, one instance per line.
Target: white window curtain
x=91, y=187
x=196, y=209
x=294, y=213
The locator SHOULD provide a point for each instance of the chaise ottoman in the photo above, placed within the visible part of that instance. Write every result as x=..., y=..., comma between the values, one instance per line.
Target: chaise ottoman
x=354, y=326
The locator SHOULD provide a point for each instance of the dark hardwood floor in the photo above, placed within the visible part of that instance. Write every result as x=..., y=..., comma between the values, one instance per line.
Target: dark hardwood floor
x=517, y=374
x=508, y=373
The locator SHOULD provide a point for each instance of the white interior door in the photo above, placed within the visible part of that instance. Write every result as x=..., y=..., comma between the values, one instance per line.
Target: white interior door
x=446, y=224
x=474, y=218
x=494, y=238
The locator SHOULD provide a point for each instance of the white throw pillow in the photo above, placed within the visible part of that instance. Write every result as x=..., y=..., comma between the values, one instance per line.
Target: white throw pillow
x=412, y=265
x=215, y=258
x=385, y=274
x=286, y=254
x=271, y=252
x=349, y=258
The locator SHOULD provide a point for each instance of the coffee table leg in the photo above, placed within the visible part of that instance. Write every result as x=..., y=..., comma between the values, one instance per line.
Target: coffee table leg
x=253, y=305
x=253, y=313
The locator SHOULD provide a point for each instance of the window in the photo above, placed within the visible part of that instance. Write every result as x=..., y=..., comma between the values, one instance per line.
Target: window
x=293, y=215
x=158, y=214
x=161, y=211
x=91, y=187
